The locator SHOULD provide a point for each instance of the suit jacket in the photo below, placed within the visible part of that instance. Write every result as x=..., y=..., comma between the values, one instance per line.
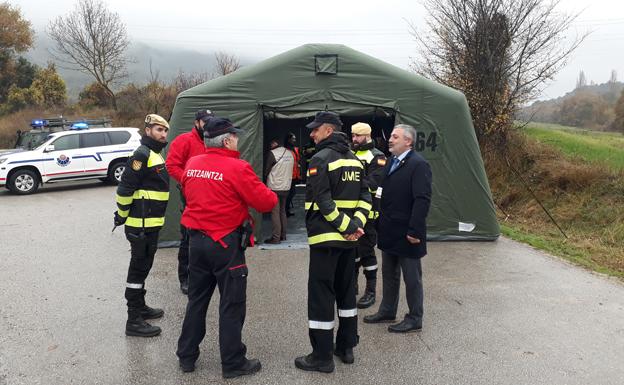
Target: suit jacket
x=405, y=200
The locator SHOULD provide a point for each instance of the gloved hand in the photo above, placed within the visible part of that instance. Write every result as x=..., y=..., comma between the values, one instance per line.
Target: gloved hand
x=118, y=220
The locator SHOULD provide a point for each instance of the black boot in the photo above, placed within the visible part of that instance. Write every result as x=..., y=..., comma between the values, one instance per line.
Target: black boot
x=311, y=363
x=139, y=328
x=368, y=299
x=151, y=313
x=345, y=355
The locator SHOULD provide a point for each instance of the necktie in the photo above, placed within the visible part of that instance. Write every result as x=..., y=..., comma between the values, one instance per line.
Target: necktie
x=394, y=165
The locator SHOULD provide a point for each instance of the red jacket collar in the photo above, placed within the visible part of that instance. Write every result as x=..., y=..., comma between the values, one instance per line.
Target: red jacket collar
x=223, y=152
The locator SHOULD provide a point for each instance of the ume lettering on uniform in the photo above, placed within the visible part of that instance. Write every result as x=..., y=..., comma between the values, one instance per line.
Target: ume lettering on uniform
x=351, y=176
x=207, y=174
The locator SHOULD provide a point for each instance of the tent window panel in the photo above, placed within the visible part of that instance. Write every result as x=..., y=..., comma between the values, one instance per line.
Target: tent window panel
x=326, y=64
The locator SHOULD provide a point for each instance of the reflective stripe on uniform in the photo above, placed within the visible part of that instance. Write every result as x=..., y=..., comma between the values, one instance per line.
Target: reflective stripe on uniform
x=341, y=204
x=123, y=200
x=365, y=155
x=154, y=159
x=123, y=213
x=149, y=222
x=326, y=237
x=151, y=194
x=361, y=217
x=373, y=214
x=370, y=268
x=347, y=312
x=333, y=215
x=344, y=163
x=321, y=325
x=345, y=223
x=365, y=205
x=134, y=285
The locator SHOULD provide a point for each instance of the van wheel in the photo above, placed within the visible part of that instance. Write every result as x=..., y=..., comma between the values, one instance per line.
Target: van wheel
x=23, y=182
x=115, y=171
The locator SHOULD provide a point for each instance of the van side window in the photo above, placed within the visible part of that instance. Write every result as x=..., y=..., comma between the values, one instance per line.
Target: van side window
x=119, y=137
x=67, y=142
x=94, y=139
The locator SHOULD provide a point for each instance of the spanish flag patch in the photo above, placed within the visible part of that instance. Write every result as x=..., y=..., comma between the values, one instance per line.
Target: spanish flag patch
x=381, y=161
x=313, y=171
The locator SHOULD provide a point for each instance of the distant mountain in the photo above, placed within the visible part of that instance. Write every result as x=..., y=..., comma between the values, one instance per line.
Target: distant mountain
x=166, y=61
x=589, y=107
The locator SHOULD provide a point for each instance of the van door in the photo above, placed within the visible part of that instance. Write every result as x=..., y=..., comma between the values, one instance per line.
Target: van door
x=65, y=161
x=95, y=147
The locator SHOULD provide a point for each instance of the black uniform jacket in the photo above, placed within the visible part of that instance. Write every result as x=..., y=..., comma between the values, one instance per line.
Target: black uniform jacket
x=143, y=192
x=405, y=200
x=337, y=197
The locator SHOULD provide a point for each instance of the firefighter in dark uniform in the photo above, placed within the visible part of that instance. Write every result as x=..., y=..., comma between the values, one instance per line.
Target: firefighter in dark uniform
x=142, y=197
x=373, y=161
x=337, y=206
x=219, y=189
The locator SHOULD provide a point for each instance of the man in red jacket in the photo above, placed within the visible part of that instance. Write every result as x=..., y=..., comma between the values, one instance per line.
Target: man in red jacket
x=184, y=147
x=219, y=189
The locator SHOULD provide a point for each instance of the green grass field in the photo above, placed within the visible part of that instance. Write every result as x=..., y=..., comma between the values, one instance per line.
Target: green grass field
x=606, y=148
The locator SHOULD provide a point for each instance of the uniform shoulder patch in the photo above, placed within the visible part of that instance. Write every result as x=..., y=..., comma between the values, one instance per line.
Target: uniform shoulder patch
x=136, y=165
x=381, y=161
x=313, y=171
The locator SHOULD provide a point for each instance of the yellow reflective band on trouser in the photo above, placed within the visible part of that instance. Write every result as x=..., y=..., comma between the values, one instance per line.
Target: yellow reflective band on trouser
x=365, y=205
x=344, y=163
x=333, y=215
x=154, y=159
x=150, y=194
x=339, y=204
x=373, y=214
x=123, y=213
x=326, y=237
x=361, y=217
x=123, y=200
x=149, y=222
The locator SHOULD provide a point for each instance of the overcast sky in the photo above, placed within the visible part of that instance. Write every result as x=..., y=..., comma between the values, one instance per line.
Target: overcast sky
x=261, y=29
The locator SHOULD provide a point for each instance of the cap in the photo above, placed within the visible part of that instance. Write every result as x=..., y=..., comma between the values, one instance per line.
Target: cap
x=214, y=127
x=360, y=128
x=325, y=117
x=201, y=113
x=156, y=119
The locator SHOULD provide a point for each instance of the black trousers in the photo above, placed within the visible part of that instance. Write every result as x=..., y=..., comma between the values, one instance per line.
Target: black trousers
x=391, y=268
x=142, y=251
x=331, y=282
x=291, y=195
x=212, y=265
x=366, y=257
x=183, y=255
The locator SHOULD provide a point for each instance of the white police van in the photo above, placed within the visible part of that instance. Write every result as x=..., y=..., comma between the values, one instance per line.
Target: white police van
x=99, y=153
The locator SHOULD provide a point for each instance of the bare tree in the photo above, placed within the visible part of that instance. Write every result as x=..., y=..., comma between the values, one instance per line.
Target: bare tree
x=500, y=53
x=581, y=81
x=226, y=63
x=93, y=40
x=613, y=78
x=184, y=81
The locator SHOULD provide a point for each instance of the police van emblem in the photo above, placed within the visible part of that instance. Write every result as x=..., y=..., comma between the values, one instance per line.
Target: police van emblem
x=63, y=160
x=136, y=165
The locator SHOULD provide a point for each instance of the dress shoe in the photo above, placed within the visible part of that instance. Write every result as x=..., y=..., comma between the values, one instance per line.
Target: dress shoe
x=250, y=367
x=184, y=287
x=405, y=326
x=272, y=241
x=379, y=318
x=313, y=364
x=151, y=313
x=345, y=355
x=187, y=367
x=140, y=328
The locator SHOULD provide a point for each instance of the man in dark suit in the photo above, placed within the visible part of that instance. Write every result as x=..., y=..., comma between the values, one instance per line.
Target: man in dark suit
x=402, y=232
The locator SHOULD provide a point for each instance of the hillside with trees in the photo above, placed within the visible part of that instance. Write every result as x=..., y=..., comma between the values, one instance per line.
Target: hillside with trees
x=587, y=106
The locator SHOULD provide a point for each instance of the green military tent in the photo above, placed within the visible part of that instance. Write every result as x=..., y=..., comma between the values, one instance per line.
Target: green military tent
x=282, y=94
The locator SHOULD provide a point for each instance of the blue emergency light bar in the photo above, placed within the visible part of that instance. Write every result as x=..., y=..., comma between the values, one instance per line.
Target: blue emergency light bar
x=80, y=126
x=38, y=123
